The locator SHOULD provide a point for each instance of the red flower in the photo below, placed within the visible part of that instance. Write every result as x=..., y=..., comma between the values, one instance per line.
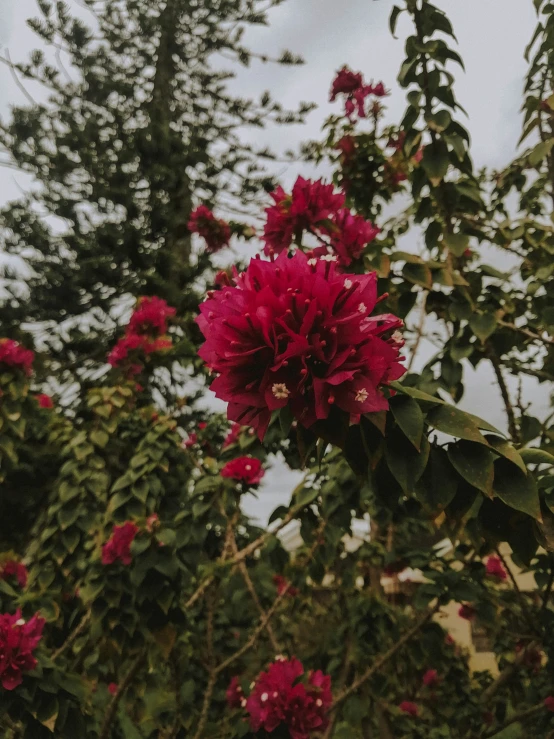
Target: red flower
x=278, y=699
x=11, y=568
x=234, y=694
x=296, y=332
x=113, y=688
x=118, y=545
x=283, y=585
x=310, y=204
x=135, y=342
x=14, y=355
x=378, y=90
x=202, y=425
x=222, y=279
x=346, y=82
x=214, y=231
x=18, y=639
x=549, y=703
x=233, y=435
x=495, y=568
x=347, y=147
x=150, y=314
x=466, y=612
x=248, y=470
x=430, y=678
x=191, y=441
x=152, y=522
x=352, y=234
x=45, y=401
x=408, y=707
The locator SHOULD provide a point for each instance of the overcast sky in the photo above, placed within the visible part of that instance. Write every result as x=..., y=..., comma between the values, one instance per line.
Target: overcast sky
x=492, y=35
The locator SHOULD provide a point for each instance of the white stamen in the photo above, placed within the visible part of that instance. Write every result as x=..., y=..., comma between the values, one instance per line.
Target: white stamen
x=280, y=390
x=329, y=258
x=248, y=467
x=280, y=658
x=21, y=622
x=348, y=284
x=319, y=702
x=264, y=697
x=362, y=308
x=312, y=262
x=361, y=395
x=243, y=702
x=397, y=336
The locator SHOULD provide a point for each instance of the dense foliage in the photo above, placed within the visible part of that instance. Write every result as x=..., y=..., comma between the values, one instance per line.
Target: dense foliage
x=136, y=598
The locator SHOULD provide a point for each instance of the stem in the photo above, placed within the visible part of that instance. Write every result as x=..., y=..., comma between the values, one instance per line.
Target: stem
x=529, y=713
x=548, y=588
x=419, y=332
x=384, y=658
x=527, y=332
x=105, y=732
x=506, y=674
x=512, y=424
x=73, y=636
x=520, y=595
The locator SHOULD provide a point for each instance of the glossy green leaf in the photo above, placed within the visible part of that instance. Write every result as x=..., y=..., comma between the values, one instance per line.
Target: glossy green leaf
x=517, y=490
x=475, y=463
x=453, y=421
x=536, y=456
x=508, y=451
x=409, y=417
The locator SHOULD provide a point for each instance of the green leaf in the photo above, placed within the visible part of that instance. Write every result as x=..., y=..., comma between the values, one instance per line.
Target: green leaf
x=418, y=274
x=439, y=121
x=439, y=483
x=509, y=452
x=305, y=496
x=394, y=18
x=99, y=437
x=435, y=162
x=540, y=151
x=413, y=392
x=474, y=463
x=536, y=456
x=286, y=418
x=483, y=325
x=405, y=463
x=451, y=420
x=457, y=243
x=409, y=417
x=517, y=490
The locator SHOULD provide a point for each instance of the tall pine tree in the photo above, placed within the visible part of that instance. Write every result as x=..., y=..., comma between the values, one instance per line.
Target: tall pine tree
x=146, y=130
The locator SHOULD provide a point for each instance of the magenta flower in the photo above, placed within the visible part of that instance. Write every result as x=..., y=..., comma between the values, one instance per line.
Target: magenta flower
x=296, y=332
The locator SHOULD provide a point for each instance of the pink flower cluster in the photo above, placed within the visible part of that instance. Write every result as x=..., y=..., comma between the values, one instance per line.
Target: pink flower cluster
x=45, y=401
x=13, y=355
x=495, y=568
x=17, y=570
x=118, y=546
x=352, y=86
x=247, y=470
x=278, y=699
x=148, y=321
x=18, y=640
x=215, y=231
x=296, y=332
x=316, y=208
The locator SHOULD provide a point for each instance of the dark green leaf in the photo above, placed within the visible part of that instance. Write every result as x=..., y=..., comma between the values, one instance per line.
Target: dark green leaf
x=453, y=421
x=517, y=490
x=504, y=448
x=474, y=463
x=409, y=417
x=483, y=325
x=536, y=456
x=456, y=243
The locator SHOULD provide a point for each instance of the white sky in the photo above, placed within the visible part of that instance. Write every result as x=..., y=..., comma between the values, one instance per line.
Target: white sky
x=492, y=35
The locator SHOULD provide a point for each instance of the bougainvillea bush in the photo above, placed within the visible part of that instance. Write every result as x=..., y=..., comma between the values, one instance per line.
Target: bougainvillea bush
x=137, y=600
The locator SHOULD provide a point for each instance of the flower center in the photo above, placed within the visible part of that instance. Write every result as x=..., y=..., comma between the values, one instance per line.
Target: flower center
x=280, y=390
x=361, y=395
x=265, y=696
x=348, y=284
x=362, y=308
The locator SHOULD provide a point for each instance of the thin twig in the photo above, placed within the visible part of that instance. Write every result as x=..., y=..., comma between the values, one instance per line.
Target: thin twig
x=529, y=713
x=527, y=332
x=520, y=595
x=105, y=732
x=512, y=424
x=506, y=674
x=243, y=569
x=384, y=658
x=73, y=636
x=419, y=332
x=7, y=60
